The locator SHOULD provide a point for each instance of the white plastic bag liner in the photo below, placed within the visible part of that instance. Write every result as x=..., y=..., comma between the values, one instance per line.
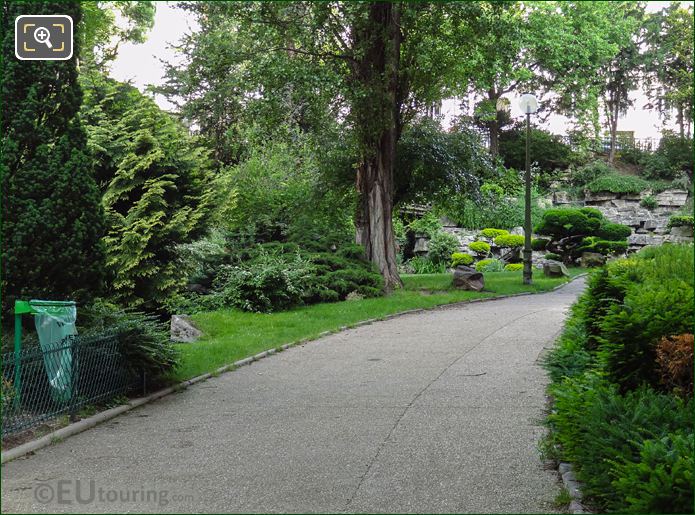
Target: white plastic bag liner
x=55, y=325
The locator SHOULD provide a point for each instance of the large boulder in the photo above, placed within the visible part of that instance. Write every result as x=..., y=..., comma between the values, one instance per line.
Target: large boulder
x=467, y=278
x=183, y=330
x=592, y=259
x=555, y=269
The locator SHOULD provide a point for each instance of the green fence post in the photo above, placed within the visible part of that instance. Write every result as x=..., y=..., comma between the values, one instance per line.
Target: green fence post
x=20, y=307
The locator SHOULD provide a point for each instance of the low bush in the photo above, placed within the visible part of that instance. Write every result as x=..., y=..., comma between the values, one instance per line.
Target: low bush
x=605, y=247
x=491, y=234
x=489, y=265
x=659, y=479
x=510, y=240
x=649, y=202
x=269, y=283
x=514, y=267
x=602, y=432
x=674, y=357
x=552, y=256
x=613, y=232
x=142, y=339
x=616, y=183
x=422, y=265
x=461, y=258
x=441, y=246
x=480, y=247
x=427, y=225
x=631, y=444
x=680, y=221
x=590, y=172
x=539, y=243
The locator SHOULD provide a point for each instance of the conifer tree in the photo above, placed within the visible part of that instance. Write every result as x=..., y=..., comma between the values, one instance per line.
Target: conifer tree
x=52, y=219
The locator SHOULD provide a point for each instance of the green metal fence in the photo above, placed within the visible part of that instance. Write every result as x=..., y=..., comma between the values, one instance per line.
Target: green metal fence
x=41, y=384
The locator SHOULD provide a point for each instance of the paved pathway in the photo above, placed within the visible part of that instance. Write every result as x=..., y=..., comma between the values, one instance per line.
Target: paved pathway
x=431, y=412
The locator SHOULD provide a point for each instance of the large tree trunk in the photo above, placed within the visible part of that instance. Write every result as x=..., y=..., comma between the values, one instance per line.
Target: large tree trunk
x=378, y=116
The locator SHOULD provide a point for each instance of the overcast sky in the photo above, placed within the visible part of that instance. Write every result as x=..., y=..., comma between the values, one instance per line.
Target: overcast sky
x=141, y=65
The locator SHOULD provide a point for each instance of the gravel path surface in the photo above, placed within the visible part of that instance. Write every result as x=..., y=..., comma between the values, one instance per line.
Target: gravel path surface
x=430, y=412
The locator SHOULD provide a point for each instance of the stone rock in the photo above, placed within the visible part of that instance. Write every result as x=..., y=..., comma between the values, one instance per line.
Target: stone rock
x=555, y=269
x=592, y=259
x=649, y=225
x=683, y=231
x=561, y=197
x=353, y=295
x=467, y=278
x=599, y=196
x=517, y=230
x=183, y=330
x=576, y=507
x=421, y=245
x=672, y=198
x=564, y=467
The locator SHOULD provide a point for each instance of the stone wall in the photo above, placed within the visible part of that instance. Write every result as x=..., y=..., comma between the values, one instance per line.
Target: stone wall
x=649, y=226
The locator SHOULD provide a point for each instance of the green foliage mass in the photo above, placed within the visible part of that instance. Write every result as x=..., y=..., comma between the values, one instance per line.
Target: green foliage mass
x=510, y=240
x=441, y=246
x=155, y=190
x=480, y=247
x=539, y=243
x=596, y=244
x=51, y=212
x=567, y=222
x=514, y=267
x=491, y=233
x=427, y=225
x=461, y=258
x=276, y=276
x=630, y=442
x=616, y=183
x=680, y=221
x=143, y=339
x=548, y=150
x=434, y=165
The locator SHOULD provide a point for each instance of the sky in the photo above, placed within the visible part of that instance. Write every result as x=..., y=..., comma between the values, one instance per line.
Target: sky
x=141, y=65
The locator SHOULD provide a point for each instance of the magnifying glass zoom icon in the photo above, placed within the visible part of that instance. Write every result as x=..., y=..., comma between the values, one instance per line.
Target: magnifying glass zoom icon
x=43, y=35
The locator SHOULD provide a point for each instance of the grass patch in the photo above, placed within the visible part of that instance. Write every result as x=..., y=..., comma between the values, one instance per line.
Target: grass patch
x=230, y=335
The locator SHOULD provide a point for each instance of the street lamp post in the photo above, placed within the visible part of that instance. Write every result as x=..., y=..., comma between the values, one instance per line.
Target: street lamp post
x=529, y=105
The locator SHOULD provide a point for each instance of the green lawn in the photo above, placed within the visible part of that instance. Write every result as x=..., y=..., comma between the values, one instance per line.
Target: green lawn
x=231, y=335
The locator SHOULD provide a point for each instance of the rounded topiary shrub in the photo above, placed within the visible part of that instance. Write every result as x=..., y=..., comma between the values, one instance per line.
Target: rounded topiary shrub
x=491, y=233
x=480, y=247
x=461, y=258
x=510, y=240
x=513, y=267
x=553, y=257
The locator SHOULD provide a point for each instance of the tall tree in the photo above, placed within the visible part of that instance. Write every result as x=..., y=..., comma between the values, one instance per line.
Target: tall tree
x=155, y=190
x=669, y=56
x=621, y=74
x=380, y=62
x=101, y=33
x=52, y=220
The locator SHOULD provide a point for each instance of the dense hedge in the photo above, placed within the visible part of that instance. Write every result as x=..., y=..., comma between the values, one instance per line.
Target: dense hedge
x=619, y=414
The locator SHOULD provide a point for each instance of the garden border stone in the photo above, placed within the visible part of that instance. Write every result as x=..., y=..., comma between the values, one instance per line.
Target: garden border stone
x=104, y=416
x=573, y=486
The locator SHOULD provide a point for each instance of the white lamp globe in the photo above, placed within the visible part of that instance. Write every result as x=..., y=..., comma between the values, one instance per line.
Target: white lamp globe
x=528, y=103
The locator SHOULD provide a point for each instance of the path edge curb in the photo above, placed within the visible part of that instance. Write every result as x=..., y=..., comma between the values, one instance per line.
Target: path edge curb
x=78, y=427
